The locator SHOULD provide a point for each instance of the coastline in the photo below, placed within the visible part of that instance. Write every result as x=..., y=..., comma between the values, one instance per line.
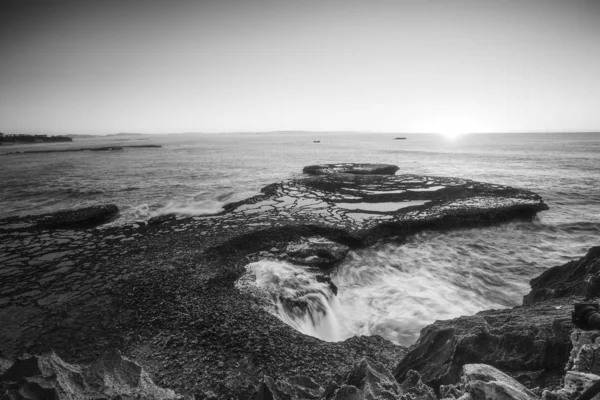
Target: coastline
x=164, y=295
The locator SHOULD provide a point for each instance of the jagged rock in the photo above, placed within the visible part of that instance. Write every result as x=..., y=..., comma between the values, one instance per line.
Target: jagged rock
x=585, y=356
x=296, y=387
x=574, y=384
x=530, y=343
x=358, y=169
x=316, y=251
x=80, y=218
x=4, y=365
x=413, y=385
x=484, y=382
x=573, y=278
x=112, y=376
x=368, y=379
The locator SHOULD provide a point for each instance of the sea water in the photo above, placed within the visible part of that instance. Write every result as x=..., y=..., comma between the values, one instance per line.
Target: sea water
x=392, y=289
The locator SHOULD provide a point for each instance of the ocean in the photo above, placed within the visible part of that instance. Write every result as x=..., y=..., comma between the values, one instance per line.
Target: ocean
x=391, y=289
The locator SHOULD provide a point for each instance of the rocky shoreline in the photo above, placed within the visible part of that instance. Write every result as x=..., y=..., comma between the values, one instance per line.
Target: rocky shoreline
x=164, y=295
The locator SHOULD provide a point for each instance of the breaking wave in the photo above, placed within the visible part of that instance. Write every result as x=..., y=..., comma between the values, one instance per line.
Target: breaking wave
x=396, y=288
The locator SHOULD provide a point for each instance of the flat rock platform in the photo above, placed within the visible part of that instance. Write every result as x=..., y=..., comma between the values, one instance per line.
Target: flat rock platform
x=163, y=292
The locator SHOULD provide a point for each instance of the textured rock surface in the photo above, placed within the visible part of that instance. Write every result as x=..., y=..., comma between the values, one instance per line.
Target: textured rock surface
x=585, y=356
x=532, y=344
x=87, y=217
x=573, y=278
x=164, y=294
x=358, y=169
x=484, y=382
x=582, y=368
x=112, y=376
x=316, y=251
x=366, y=380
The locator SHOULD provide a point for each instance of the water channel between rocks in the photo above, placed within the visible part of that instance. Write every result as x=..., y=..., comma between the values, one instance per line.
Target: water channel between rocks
x=394, y=290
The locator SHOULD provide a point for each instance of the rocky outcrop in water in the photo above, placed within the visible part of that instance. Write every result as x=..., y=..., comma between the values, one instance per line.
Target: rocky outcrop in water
x=531, y=344
x=112, y=376
x=316, y=251
x=573, y=278
x=356, y=169
x=104, y=148
x=80, y=218
x=165, y=294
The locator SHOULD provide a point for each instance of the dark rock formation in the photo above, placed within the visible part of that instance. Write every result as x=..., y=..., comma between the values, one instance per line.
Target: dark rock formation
x=359, y=209
x=88, y=217
x=105, y=148
x=358, y=169
x=4, y=138
x=112, y=376
x=165, y=294
x=367, y=380
x=316, y=251
x=529, y=343
x=573, y=278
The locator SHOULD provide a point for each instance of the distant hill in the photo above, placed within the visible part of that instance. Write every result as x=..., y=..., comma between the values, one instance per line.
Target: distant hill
x=21, y=138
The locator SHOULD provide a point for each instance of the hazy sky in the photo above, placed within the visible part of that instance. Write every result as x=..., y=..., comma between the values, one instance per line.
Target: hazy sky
x=108, y=66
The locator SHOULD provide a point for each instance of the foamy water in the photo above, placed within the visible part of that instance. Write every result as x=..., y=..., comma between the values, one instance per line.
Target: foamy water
x=391, y=289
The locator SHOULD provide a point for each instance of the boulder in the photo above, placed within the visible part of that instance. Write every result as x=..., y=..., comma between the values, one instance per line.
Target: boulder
x=112, y=376
x=531, y=344
x=484, y=382
x=316, y=251
x=573, y=278
x=346, y=168
x=80, y=218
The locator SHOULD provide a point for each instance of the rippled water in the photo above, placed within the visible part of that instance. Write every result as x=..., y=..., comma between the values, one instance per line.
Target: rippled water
x=390, y=289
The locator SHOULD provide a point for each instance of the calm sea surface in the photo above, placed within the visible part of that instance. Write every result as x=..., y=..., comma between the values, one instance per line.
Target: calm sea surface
x=388, y=289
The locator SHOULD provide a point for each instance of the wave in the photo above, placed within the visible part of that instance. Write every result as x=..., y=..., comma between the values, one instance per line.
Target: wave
x=205, y=203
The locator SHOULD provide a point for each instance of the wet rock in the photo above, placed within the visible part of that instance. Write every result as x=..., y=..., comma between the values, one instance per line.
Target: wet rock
x=81, y=218
x=112, y=376
x=316, y=251
x=484, y=382
x=413, y=385
x=296, y=387
x=162, y=219
x=530, y=343
x=573, y=278
x=368, y=379
x=358, y=169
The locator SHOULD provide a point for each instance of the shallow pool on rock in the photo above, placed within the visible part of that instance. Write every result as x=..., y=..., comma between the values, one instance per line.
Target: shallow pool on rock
x=382, y=206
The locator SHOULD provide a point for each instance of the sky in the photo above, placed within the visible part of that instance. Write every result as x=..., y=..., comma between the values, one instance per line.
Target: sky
x=98, y=67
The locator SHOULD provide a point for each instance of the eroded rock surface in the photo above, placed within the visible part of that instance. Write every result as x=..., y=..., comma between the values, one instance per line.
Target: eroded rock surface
x=484, y=382
x=366, y=380
x=316, y=251
x=112, y=376
x=164, y=294
x=88, y=217
x=531, y=344
x=573, y=278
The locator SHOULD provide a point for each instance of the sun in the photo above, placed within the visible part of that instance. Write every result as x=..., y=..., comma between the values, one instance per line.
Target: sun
x=452, y=134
